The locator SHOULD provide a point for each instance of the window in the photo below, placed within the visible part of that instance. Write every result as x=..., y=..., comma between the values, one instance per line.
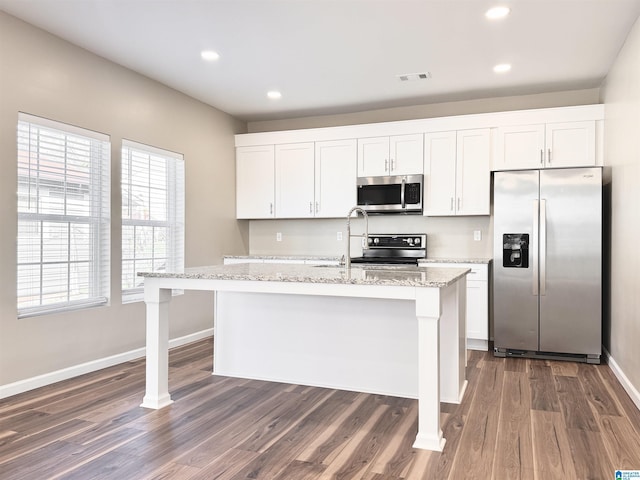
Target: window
x=63, y=217
x=152, y=214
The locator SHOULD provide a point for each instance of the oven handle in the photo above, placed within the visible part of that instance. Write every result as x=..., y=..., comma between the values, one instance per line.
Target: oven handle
x=404, y=184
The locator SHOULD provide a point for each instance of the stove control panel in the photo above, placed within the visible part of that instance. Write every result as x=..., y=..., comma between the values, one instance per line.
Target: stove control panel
x=412, y=241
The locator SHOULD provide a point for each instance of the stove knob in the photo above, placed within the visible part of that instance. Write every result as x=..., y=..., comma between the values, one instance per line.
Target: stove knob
x=410, y=241
x=369, y=240
x=417, y=240
x=376, y=240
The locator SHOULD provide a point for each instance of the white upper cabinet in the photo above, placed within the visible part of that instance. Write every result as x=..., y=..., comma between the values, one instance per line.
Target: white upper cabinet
x=473, y=172
x=312, y=172
x=294, y=182
x=373, y=157
x=550, y=145
x=519, y=146
x=395, y=155
x=439, y=173
x=457, y=173
x=571, y=144
x=298, y=180
x=406, y=155
x=255, y=182
x=335, y=178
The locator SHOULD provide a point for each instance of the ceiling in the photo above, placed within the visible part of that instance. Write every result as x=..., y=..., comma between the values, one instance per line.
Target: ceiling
x=336, y=56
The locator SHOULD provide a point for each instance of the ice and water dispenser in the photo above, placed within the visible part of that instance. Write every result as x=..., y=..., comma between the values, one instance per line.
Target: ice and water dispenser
x=515, y=250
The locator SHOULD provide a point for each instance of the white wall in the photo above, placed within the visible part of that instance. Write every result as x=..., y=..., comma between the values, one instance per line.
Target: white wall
x=621, y=95
x=43, y=75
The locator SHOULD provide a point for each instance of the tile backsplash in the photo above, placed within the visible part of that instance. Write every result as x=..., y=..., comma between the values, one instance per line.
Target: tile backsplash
x=446, y=236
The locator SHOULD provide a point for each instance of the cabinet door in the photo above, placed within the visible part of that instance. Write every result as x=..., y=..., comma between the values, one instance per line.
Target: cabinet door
x=571, y=144
x=439, y=173
x=255, y=182
x=477, y=310
x=406, y=154
x=294, y=180
x=373, y=156
x=335, y=178
x=520, y=146
x=477, y=299
x=473, y=174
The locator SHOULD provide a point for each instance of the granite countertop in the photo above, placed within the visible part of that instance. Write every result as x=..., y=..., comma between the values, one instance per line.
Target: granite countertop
x=285, y=257
x=408, y=276
x=330, y=258
x=483, y=261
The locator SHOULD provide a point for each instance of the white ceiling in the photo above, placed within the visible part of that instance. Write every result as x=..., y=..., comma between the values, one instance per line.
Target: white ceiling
x=334, y=56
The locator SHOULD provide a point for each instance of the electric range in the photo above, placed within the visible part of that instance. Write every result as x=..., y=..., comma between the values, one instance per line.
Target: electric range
x=394, y=249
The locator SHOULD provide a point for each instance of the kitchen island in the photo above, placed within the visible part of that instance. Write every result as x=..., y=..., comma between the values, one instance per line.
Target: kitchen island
x=324, y=326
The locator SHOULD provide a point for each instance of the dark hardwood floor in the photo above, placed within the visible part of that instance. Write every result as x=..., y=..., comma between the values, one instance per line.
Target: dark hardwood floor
x=520, y=419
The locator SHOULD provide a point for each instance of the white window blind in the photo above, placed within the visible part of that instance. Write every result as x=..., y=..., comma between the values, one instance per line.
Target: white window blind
x=63, y=216
x=152, y=214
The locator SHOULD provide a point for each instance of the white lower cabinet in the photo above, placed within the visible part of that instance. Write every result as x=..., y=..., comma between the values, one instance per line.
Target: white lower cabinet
x=477, y=291
x=477, y=302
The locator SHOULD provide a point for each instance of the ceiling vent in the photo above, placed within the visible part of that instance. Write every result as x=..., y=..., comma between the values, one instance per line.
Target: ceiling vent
x=410, y=77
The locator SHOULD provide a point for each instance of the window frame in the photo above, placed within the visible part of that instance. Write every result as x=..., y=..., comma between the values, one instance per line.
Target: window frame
x=175, y=214
x=34, y=134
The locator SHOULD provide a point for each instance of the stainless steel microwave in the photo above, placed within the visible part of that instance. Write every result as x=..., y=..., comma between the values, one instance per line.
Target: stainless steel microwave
x=391, y=194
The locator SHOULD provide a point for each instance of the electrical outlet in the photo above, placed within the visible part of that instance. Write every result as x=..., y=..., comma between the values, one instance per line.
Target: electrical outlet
x=279, y=237
x=477, y=235
x=339, y=236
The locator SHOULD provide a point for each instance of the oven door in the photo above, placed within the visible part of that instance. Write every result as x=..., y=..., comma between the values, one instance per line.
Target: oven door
x=385, y=261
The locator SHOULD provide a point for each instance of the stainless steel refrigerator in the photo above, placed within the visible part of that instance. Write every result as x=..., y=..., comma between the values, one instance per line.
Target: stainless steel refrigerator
x=547, y=282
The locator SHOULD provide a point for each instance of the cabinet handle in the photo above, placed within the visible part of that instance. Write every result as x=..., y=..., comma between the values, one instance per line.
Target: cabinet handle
x=271, y=208
x=451, y=207
x=541, y=157
x=317, y=207
x=310, y=207
x=549, y=156
x=393, y=166
x=536, y=228
x=458, y=203
x=543, y=247
x=386, y=165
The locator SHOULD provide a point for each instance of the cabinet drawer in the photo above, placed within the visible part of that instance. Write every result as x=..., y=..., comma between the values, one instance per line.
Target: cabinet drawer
x=479, y=271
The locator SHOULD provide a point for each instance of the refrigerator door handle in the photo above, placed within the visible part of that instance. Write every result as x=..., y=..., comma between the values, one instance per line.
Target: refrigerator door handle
x=543, y=247
x=534, y=250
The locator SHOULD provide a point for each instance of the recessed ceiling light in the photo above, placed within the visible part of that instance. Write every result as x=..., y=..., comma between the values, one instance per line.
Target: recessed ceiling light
x=209, y=55
x=274, y=95
x=502, y=68
x=497, y=12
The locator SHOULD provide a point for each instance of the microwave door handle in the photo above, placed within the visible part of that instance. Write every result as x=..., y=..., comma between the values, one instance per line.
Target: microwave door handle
x=404, y=183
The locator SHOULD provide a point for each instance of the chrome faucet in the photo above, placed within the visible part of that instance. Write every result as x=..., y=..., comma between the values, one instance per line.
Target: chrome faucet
x=347, y=257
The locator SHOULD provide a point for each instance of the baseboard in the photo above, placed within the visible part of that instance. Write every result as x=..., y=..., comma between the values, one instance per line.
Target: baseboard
x=88, y=367
x=622, y=378
x=475, y=344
